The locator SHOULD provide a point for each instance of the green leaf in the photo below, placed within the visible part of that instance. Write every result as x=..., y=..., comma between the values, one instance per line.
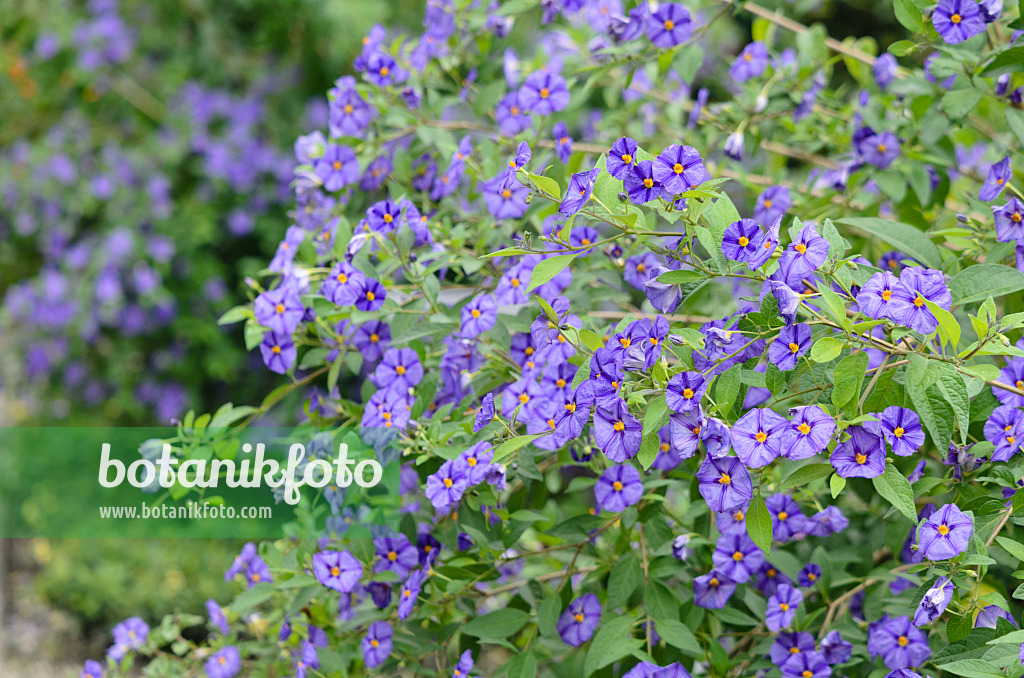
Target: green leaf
x=1006, y=62
x=727, y=387
x=235, y=315
x=977, y=283
x=973, y=668
x=505, y=450
x=503, y=623
x=590, y=339
x=676, y=634
x=826, y=350
x=611, y=643
x=931, y=405
x=650, y=445
x=625, y=578
x=836, y=484
x=677, y=277
x=902, y=48
x=909, y=15
x=547, y=616
x=548, y=268
x=1014, y=548
x=1015, y=120
x=546, y=185
x=522, y=665
x=833, y=305
x=903, y=237
x=847, y=378
x=250, y=598
x=804, y=475
x=957, y=628
x=949, y=328
x=959, y=102
x=895, y=488
x=951, y=385
x=759, y=524
x=656, y=415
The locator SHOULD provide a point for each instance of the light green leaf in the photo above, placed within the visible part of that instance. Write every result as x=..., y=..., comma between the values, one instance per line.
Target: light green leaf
x=548, y=268
x=836, y=484
x=502, y=623
x=804, y=475
x=977, y=283
x=902, y=236
x=949, y=328
x=1014, y=548
x=625, y=578
x=656, y=415
x=547, y=185
x=759, y=524
x=847, y=378
x=507, y=448
x=612, y=642
x=826, y=350
x=895, y=488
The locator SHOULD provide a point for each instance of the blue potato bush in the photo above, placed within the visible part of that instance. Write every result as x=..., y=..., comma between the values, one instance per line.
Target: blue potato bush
x=701, y=356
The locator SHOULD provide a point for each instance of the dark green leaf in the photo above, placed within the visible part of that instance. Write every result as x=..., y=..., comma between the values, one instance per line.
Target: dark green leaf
x=902, y=236
x=895, y=488
x=503, y=623
x=759, y=523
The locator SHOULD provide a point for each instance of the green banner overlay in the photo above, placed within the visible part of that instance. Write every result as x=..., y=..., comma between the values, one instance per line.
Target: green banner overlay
x=197, y=482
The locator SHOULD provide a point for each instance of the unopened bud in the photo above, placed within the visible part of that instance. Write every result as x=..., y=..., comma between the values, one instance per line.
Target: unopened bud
x=962, y=218
x=760, y=103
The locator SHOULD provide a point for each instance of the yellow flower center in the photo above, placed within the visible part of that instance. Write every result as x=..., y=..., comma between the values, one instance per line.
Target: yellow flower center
x=687, y=393
x=392, y=556
x=619, y=426
x=400, y=370
x=744, y=241
x=886, y=295
x=669, y=24
x=648, y=183
x=860, y=458
x=447, y=482
x=725, y=479
x=898, y=432
x=523, y=398
x=768, y=203
x=919, y=301
x=544, y=93
x=783, y=515
x=737, y=556
x=336, y=164
x=677, y=168
x=335, y=571
x=801, y=248
x=784, y=606
x=902, y=640
x=617, y=485
x=804, y=428
x=955, y=18
x=943, y=529
x=578, y=616
x=793, y=347
x=279, y=308
x=627, y=158
x=761, y=436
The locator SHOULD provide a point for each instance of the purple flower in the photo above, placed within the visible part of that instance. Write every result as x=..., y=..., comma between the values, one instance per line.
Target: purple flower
x=130, y=634
x=808, y=433
x=278, y=352
x=409, y=593
x=834, y=649
x=581, y=187
x=712, y=590
x=396, y=554
x=734, y=145
x=505, y=197
x=999, y=173
x=544, y=93
x=618, y=487
x=678, y=168
x=789, y=645
x=945, y=534
x=686, y=430
x=772, y=204
x=1010, y=221
x=736, y=556
x=885, y=69
x=376, y=644
x=741, y=239
x=337, y=167
x=464, y=665
x=809, y=664
x=935, y=601
x=990, y=615
x=621, y=157
x=279, y=309
x=92, y=669
x=579, y=621
x=792, y=342
x=1012, y=374
x=878, y=149
x=343, y=284
x=916, y=285
x=640, y=184
x=809, y=574
x=902, y=430
x=617, y=432
x=878, y=297
x=511, y=115
x=563, y=142
x=782, y=607
x=767, y=579
x=898, y=642
x=724, y=483
x=1004, y=428
x=218, y=617
x=757, y=437
x=685, y=390
x=484, y=413
x=338, y=570
x=679, y=550
x=399, y=370
x=803, y=256
x=750, y=63
x=862, y=455
x=957, y=20
x=446, y=487
x=765, y=246
x=787, y=520
x=669, y=26
x=371, y=295
x=665, y=297
x=479, y=315
x=225, y=663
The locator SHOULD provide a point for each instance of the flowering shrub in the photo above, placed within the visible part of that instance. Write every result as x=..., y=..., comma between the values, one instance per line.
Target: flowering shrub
x=641, y=433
